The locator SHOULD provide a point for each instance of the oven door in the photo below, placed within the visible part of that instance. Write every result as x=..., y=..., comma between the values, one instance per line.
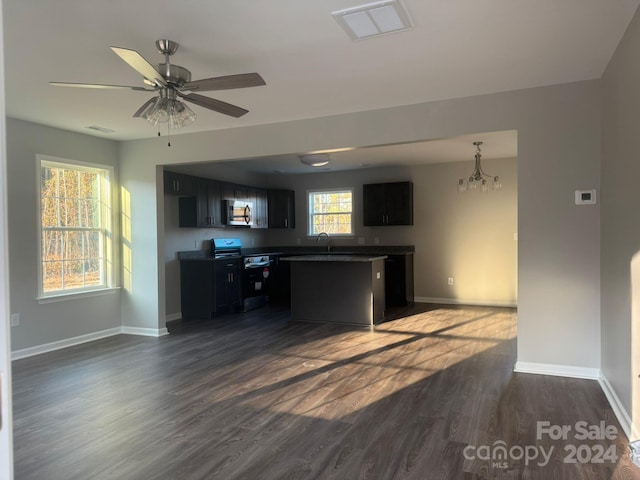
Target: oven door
x=255, y=286
x=256, y=274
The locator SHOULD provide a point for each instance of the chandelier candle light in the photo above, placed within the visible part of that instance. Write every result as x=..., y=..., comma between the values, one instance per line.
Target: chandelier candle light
x=479, y=177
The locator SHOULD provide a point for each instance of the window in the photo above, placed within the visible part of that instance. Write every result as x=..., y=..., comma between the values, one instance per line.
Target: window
x=75, y=228
x=331, y=211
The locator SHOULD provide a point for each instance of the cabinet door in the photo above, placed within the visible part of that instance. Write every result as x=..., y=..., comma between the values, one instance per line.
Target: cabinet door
x=399, y=203
x=281, y=206
x=234, y=191
x=207, y=203
x=179, y=184
x=196, y=289
x=214, y=203
x=227, y=284
x=373, y=204
x=398, y=280
x=260, y=202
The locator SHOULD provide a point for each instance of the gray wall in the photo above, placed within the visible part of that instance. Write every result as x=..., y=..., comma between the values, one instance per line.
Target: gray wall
x=49, y=322
x=620, y=226
x=559, y=243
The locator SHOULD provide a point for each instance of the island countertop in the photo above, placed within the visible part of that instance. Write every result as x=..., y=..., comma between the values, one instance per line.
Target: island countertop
x=337, y=257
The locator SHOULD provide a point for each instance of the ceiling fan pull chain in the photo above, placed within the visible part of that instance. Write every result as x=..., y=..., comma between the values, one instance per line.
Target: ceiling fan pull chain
x=168, y=135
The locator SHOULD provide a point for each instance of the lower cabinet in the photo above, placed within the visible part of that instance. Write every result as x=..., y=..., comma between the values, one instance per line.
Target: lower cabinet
x=398, y=270
x=227, y=284
x=208, y=287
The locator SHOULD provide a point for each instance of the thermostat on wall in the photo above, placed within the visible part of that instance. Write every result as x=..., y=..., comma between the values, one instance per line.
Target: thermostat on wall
x=585, y=197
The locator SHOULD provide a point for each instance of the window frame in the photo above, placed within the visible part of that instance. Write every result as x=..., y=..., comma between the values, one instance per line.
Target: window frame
x=107, y=229
x=310, y=215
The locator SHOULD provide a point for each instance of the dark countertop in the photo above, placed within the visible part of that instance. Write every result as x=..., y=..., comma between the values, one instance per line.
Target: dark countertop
x=341, y=250
x=335, y=257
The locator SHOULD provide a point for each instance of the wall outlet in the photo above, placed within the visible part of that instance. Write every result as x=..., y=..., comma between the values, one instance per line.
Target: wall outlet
x=360, y=240
x=450, y=280
x=15, y=319
x=376, y=240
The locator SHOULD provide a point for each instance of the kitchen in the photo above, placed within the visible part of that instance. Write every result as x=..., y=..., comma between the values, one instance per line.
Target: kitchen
x=447, y=225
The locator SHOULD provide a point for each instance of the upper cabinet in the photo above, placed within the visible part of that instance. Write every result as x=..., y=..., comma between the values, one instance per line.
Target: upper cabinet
x=387, y=204
x=179, y=184
x=204, y=209
x=201, y=202
x=281, y=208
x=259, y=198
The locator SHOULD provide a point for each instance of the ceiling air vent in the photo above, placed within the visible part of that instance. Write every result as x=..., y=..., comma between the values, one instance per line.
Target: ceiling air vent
x=373, y=19
x=100, y=129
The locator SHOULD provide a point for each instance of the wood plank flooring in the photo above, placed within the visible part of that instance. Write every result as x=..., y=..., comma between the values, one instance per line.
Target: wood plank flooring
x=254, y=396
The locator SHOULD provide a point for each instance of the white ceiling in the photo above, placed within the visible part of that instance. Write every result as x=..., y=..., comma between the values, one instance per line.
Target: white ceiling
x=311, y=67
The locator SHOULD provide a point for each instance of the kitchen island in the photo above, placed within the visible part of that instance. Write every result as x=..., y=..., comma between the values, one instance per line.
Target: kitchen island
x=337, y=288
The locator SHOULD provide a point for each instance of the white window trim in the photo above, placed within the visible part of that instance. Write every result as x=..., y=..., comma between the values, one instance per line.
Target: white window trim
x=331, y=190
x=111, y=285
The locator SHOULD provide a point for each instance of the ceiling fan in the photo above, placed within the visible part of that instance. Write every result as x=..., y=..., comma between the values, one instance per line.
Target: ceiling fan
x=171, y=81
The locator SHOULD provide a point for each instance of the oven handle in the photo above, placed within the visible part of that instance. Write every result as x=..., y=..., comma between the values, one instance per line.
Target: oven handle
x=257, y=265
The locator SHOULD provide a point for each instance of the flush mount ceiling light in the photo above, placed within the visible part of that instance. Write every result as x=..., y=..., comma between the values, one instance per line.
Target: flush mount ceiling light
x=373, y=19
x=315, y=159
x=478, y=177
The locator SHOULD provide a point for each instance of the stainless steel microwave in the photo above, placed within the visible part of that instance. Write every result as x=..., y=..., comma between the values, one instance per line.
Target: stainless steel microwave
x=238, y=213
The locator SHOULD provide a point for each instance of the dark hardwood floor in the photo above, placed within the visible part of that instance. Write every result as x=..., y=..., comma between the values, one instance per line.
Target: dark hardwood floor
x=428, y=395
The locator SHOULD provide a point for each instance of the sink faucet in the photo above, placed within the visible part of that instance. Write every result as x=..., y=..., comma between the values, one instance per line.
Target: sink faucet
x=328, y=240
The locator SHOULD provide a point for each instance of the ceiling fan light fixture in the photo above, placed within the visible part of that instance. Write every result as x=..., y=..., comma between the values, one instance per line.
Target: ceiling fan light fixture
x=315, y=159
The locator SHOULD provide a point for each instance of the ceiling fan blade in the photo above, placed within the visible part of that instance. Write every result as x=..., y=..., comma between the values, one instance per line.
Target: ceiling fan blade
x=215, y=105
x=145, y=107
x=97, y=85
x=242, y=80
x=141, y=65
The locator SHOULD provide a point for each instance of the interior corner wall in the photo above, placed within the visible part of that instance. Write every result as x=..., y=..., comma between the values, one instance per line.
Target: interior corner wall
x=51, y=322
x=620, y=225
x=558, y=152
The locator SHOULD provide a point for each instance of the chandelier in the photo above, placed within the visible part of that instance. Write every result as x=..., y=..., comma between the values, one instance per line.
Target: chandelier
x=478, y=177
x=166, y=108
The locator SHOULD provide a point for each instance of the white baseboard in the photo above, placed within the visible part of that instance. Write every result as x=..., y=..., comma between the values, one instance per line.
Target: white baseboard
x=173, y=316
x=461, y=301
x=146, y=332
x=69, y=342
x=618, y=409
x=557, y=370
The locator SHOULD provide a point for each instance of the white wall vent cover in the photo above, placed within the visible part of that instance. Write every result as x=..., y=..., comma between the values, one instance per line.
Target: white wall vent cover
x=373, y=19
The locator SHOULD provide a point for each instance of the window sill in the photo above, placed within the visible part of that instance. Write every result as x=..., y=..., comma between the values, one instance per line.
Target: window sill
x=62, y=297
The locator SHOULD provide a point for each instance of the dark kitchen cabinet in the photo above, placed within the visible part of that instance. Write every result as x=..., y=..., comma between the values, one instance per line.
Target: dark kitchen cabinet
x=209, y=286
x=387, y=204
x=398, y=271
x=259, y=199
x=227, y=277
x=197, y=298
x=204, y=209
x=281, y=208
x=179, y=184
x=280, y=281
x=233, y=191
